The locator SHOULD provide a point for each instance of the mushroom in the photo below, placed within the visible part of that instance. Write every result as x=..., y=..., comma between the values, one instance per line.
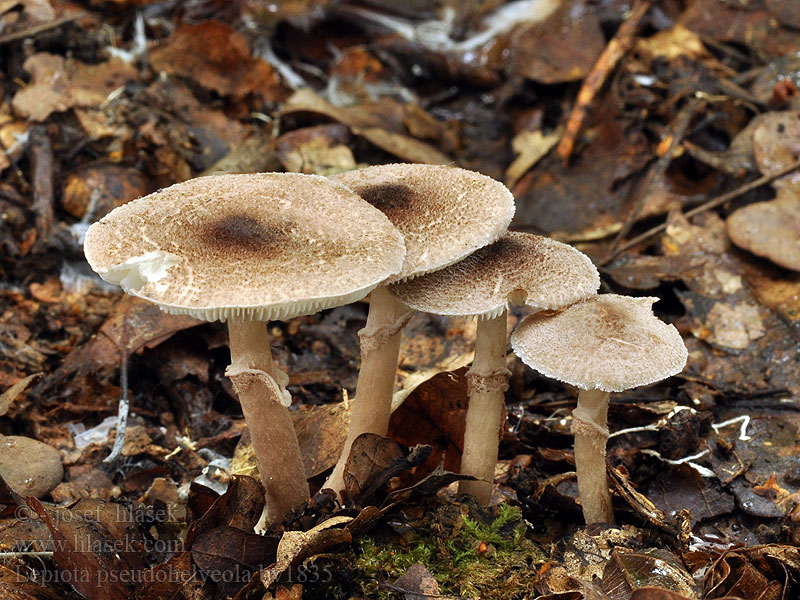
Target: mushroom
x=521, y=268
x=603, y=344
x=444, y=214
x=247, y=249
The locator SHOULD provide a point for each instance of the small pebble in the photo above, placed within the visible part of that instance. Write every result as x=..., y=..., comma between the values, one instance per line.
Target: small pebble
x=30, y=467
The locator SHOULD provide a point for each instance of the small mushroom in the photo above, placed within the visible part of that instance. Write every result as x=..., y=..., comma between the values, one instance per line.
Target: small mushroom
x=770, y=229
x=603, y=344
x=444, y=214
x=247, y=249
x=521, y=268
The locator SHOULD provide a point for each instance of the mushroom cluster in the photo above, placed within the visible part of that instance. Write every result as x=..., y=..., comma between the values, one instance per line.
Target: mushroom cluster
x=245, y=249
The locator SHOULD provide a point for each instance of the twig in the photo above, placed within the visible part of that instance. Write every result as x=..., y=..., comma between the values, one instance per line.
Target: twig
x=36, y=30
x=675, y=134
x=616, y=49
x=41, y=151
x=718, y=201
x=713, y=159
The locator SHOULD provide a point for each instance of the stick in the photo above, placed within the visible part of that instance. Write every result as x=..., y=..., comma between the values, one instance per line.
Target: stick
x=616, y=49
x=718, y=201
x=41, y=152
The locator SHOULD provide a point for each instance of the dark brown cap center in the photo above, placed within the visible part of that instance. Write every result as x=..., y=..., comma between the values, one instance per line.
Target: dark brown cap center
x=389, y=198
x=242, y=232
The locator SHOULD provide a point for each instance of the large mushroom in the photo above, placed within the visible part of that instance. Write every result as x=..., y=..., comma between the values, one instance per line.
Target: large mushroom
x=444, y=214
x=247, y=249
x=606, y=343
x=519, y=268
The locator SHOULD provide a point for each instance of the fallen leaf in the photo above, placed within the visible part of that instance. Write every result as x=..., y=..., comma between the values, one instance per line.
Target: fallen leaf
x=362, y=124
x=629, y=569
x=434, y=413
x=12, y=393
x=102, y=188
x=681, y=487
x=58, y=85
x=296, y=547
x=218, y=58
x=373, y=461
x=224, y=551
x=563, y=47
x=96, y=547
x=530, y=147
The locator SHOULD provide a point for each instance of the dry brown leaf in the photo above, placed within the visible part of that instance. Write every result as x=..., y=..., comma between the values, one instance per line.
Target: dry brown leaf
x=297, y=546
x=218, y=58
x=12, y=393
x=563, y=47
x=362, y=124
x=58, y=84
x=672, y=43
x=530, y=147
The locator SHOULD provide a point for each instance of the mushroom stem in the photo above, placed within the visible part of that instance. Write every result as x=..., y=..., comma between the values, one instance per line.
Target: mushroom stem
x=487, y=379
x=380, y=349
x=589, y=426
x=260, y=386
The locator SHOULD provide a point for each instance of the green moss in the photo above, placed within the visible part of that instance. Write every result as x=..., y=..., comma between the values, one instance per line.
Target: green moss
x=472, y=552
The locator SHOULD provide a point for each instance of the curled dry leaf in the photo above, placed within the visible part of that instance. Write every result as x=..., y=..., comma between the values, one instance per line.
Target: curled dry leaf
x=225, y=550
x=12, y=393
x=297, y=546
x=628, y=570
x=374, y=460
x=96, y=546
x=435, y=412
x=401, y=145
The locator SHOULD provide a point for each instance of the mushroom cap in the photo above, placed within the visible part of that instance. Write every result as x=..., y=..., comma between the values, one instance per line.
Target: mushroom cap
x=444, y=213
x=519, y=267
x=770, y=229
x=262, y=246
x=606, y=342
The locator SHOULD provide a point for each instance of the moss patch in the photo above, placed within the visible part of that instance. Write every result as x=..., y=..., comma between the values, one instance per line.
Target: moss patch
x=473, y=552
